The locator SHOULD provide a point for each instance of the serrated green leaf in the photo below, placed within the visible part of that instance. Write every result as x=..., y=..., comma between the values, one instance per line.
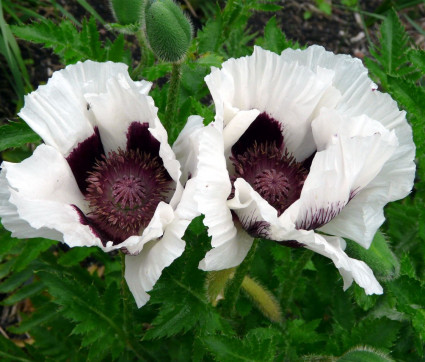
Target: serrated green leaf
x=10, y=352
x=15, y=134
x=258, y=345
x=380, y=333
x=116, y=50
x=75, y=255
x=407, y=267
x=211, y=60
x=304, y=332
x=393, y=41
x=32, y=249
x=172, y=320
x=343, y=309
x=65, y=39
x=40, y=316
x=15, y=281
x=7, y=242
x=364, y=301
x=417, y=57
x=410, y=297
x=410, y=96
x=210, y=36
x=274, y=39
x=82, y=303
x=25, y=292
x=267, y=7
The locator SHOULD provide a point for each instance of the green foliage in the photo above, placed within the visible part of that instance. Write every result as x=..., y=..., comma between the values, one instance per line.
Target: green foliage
x=274, y=39
x=16, y=134
x=73, y=304
x=16, y=72
x=258, y=345
x=127, y=12
x=181, y=293
x=399, y=71
x=70, y=43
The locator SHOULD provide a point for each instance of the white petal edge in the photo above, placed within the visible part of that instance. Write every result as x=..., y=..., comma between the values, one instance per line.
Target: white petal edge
x=115, y=109
x=142, y=271
x=285, y=90
x=213, y=189
x=186, y=147
x=42, y=188
x=345, y=167
x=58, y=111
x=350, y=269
x=359, y=96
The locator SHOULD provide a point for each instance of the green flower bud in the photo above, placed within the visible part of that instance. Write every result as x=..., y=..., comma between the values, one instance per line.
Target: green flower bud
x=127, y=12
x=168, y=30
x=263, y=299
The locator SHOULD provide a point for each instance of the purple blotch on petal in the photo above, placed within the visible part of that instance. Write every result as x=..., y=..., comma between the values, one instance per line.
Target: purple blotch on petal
x=84, y=220
x=83, y=157
x=264, y=129
x=320, y=217
x=140, y=138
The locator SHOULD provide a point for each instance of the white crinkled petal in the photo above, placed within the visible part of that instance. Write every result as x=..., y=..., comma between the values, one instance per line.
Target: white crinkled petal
x=249, y=206
x=285, y=90
x=350, y=269
x=186, y=147
x=11, y=219
x=361, y=218
x=237, y=127
x=163, y=216
x=115, y=109
x=42, y=188
x=143, y=270
x=229, y=254
x=213, y=189
x=168, y=158
x=345, y=167
x=58, y=111
x=359, y=97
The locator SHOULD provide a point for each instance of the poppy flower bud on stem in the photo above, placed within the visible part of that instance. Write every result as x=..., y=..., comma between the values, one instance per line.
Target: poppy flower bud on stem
x=233, y=288
x=169, y=34
x=168, y=30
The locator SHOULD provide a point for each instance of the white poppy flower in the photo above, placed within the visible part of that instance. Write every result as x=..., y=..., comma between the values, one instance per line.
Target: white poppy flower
x=105, y=175
x=303, y=151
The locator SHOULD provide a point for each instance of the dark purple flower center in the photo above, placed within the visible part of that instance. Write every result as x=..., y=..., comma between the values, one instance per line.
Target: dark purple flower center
x=124, y=189
x=275, y=175
x=260, y=157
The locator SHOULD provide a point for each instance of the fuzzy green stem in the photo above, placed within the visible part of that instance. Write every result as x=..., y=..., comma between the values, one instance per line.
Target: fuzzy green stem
x=234, y=286
x=173, y=96
x=144, y=50
x=126, y=327
x=296, y=272
x=124, y=296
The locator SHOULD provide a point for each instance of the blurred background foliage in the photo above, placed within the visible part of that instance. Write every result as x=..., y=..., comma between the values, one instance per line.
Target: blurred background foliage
x=66, y=304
